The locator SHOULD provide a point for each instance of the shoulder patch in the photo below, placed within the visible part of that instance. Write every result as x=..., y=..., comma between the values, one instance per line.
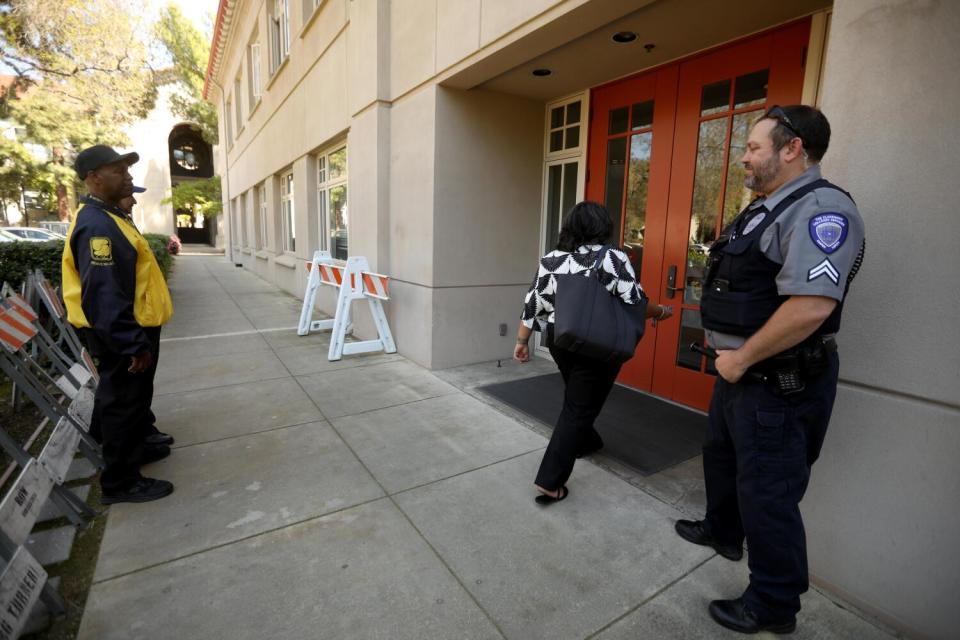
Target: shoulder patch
x=100, y=249
x=829, y=230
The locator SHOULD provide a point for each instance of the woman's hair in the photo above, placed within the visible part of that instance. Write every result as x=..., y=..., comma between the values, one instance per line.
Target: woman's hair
x=586, y=223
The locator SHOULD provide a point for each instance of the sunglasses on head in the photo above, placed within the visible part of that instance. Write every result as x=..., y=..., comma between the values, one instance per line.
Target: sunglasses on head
x=777, y=113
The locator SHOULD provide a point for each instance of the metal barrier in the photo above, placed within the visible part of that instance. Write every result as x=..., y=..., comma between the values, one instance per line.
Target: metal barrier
x=354, y=281
x=63, y=390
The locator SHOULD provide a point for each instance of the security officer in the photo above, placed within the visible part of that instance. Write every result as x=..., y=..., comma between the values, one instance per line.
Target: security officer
x=116, y=295
x=771, y=305
x=154, y=438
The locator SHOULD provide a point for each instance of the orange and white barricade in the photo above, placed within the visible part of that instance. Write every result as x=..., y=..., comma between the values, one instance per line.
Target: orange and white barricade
x=355, y=282
x=322, y=272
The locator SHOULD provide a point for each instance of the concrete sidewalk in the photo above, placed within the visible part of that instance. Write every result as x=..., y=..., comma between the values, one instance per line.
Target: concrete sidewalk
x=371, y=498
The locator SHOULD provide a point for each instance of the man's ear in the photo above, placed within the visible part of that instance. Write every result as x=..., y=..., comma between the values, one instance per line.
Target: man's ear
x=793, y=150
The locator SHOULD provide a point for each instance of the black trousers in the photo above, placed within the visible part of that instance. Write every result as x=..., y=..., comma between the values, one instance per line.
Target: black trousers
x=756, y=463
x=153, y=333
x=121, y=410
x=587, y=384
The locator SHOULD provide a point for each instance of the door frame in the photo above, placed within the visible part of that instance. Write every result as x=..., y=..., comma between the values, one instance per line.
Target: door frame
x=670, y=191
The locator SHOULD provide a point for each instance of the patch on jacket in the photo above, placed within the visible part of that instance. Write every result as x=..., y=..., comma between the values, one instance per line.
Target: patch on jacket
x=100, y=250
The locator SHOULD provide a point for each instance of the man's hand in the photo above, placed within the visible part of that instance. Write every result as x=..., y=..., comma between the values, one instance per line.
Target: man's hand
x=140, y=362
x=730, y=365
x=521, y=352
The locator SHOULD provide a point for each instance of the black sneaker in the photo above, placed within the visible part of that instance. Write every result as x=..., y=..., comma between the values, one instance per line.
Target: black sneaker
x=143, y=490
x=158, y=438
x=694, y=531
x=152, y=454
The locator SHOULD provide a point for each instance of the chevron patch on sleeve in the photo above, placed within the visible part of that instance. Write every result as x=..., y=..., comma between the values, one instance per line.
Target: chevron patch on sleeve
x=824, y=268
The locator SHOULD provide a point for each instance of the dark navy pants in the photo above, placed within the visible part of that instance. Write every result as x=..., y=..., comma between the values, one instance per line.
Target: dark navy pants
x=122, y=415
x=756, y=463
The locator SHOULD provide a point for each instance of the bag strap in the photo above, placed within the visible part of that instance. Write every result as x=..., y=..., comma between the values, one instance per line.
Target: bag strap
x=601, y=256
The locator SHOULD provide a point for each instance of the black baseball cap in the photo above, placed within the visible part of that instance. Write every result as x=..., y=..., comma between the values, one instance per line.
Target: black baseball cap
x=100, y=155
x=137, y=189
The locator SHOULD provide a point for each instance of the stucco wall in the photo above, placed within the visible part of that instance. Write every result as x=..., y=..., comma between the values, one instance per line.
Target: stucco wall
x=486, y=220
x=150, y=138
x=882, y=506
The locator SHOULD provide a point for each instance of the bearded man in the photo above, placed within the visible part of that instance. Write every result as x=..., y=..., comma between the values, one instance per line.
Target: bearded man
x=771, y=307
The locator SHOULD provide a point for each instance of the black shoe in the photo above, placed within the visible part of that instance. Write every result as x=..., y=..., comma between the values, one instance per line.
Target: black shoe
x=693, y=531
x=143, y=490
x=544, y=499
x=158, y=438
x=734, y=614
x=152, y=454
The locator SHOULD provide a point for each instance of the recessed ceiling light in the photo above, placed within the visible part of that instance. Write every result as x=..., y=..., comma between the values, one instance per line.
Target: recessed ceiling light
x=541, y=72
x=623, y=37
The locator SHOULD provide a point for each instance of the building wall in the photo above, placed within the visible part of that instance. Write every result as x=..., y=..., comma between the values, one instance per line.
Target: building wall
x=149, y=138
x=439, y=177
x=882, y=510
x=486, y=220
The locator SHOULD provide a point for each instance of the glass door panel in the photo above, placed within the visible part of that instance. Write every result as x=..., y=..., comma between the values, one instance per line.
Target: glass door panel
x=720, y=95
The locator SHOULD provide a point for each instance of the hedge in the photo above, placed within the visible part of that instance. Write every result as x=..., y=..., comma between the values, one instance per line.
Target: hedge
x=19, y=258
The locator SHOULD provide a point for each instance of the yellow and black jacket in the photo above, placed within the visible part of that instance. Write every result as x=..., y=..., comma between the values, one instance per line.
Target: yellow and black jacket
x=111, y=281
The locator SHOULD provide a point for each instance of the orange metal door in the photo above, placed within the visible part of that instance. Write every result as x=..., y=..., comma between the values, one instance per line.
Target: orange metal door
x=701, y=114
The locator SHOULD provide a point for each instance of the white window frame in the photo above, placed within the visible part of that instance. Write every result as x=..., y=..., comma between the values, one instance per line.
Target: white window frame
x=562, y=157
x=244, y=236
x=582, y=140
x=279, y=34
x=228, y=125
x=288, y=214
x=324, y=184
x=238, y=103
x=263, y=211
x=256, y=82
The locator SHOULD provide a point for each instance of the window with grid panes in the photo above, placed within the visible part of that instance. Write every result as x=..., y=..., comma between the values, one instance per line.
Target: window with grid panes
x=287, y=214
x=238, y=103
x=256, y=87
x=332, y=202
x=263, y=239
x=564, y=127
x=279, y=33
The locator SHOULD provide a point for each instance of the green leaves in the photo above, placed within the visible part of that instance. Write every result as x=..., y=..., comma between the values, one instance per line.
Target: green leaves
x=189, y=50
x=201, y=197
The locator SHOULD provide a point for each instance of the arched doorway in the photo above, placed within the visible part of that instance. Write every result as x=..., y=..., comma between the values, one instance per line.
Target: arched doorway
x=191, y=159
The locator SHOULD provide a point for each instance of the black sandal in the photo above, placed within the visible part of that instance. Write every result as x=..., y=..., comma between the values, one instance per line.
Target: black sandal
x=544, y=499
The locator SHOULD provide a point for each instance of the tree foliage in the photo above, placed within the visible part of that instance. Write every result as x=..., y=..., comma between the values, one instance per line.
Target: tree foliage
x=200, y=197
x=189, y=50
x=82, y=75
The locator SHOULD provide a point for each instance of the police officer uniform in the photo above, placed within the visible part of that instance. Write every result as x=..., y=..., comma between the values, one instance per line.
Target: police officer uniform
x=116, y=295
x=766, y=430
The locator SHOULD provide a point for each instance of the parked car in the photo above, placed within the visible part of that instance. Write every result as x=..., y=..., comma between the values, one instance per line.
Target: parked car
x=32, y=234
x=59, y=227
x=7, y=237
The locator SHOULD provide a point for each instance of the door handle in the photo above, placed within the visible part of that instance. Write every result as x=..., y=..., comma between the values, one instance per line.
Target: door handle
x=672, y=282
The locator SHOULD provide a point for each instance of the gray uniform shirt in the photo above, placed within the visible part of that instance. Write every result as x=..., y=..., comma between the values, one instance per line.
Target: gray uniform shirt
x=816, y=240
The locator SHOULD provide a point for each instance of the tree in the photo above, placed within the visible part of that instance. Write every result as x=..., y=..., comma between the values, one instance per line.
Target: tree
x=189, y=50
x=199, y=197
x=82, y=75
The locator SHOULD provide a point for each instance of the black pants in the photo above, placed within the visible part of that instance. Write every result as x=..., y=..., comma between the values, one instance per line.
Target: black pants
x=587, y=384
x=756, y=463
x=121, y=409
x=153, y=333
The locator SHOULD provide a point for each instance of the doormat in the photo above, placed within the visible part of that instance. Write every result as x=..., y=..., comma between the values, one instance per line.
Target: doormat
x=641, y=431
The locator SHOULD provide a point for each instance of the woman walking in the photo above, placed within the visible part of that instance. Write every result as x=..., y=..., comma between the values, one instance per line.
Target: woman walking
x=587, y=382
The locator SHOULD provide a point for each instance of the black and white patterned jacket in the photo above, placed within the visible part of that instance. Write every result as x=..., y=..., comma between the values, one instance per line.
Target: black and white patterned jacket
x=616, y=274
